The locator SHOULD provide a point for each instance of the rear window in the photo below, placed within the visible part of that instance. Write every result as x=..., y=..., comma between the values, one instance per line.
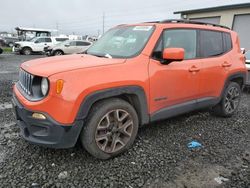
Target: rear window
x=211, y=43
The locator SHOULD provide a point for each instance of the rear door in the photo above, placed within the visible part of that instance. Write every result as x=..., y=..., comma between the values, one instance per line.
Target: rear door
x=215, y=61
x=71, y=48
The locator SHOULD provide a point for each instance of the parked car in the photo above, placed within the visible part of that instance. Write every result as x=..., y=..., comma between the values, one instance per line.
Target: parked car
x=1, y=50
x=247, y=55
x=37, y=44
x=152, y=72
x=68, y=47
x=10, y=41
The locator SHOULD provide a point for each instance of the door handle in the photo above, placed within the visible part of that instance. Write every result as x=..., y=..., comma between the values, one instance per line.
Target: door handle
x=226, y=64
x=194, y=69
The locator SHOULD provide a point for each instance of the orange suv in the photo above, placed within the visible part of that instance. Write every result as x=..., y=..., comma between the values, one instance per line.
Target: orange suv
x=134, y=75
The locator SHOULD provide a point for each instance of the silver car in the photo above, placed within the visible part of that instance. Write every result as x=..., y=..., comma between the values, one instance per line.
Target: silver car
x=247, y=54
x=68, y=47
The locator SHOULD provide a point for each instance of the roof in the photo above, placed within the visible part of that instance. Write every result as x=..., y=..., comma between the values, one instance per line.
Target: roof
x=218, y=8
x=35, y=29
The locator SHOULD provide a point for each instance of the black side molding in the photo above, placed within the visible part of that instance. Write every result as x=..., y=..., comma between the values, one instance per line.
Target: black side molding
x=137, y=93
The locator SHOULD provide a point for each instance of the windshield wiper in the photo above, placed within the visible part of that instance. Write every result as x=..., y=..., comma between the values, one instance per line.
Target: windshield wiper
x=108, y=56
x=101, y=55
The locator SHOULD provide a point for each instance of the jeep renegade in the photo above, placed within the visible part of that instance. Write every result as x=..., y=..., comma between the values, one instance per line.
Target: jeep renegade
x=134, y=75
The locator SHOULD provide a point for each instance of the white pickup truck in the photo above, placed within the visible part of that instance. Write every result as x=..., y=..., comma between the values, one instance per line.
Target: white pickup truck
x=37, y=44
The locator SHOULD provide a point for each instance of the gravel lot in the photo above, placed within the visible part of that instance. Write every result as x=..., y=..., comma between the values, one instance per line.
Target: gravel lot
x=159, y=158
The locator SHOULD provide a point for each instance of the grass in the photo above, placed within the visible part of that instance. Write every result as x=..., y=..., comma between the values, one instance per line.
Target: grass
x=7, y=49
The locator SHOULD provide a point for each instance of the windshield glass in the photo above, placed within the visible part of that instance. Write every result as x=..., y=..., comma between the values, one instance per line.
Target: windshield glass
x=122, y=42
x=33, y=39
x=247, y=55
x=66, y=42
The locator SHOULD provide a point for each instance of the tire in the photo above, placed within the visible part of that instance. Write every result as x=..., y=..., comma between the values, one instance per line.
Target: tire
x=11, y=44
x=58, y=52
x=230, y=101
x=26, y=51
x=101, y=136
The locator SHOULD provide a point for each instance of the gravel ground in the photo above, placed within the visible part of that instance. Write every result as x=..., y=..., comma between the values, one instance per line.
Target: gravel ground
x=159, y=158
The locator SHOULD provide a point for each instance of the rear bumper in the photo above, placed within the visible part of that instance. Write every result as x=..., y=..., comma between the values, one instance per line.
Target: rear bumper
x=46, y=132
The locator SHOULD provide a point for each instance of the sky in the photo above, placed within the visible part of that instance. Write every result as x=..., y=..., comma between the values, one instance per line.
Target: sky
x=86, y=16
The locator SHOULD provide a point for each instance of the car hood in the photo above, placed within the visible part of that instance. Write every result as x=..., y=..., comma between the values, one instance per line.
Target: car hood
x=52, y=65
x=22, y=43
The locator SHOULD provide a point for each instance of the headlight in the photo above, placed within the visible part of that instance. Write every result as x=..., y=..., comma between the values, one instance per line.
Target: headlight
x=44, y=86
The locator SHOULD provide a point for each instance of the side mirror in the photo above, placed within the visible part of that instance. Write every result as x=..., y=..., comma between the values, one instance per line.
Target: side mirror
x=173, y=54
x=243, y=50
x=37, y=41
x=67, y=45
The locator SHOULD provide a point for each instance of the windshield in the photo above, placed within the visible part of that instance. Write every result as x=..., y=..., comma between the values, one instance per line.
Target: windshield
x=122, y=42
x=247, y=55
x=33, y=39
x=66, y=42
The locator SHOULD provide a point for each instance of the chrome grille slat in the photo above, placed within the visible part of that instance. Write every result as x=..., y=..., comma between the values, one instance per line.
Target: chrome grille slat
x=25, y=81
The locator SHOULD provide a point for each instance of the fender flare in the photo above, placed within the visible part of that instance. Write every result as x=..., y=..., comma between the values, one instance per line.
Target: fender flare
x=136, y=91
x=236, y=75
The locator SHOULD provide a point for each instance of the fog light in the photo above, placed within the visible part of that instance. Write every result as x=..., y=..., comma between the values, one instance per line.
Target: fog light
x=38, y=116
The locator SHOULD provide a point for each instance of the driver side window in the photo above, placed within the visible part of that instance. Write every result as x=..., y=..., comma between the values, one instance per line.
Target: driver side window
x=177, y=38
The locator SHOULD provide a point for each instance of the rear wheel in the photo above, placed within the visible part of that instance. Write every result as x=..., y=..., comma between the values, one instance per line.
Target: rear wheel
x=230, y=101
x=110, y=129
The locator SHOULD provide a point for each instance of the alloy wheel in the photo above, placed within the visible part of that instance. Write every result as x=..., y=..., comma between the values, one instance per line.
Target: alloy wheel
x=232, y=100
x=114, y=131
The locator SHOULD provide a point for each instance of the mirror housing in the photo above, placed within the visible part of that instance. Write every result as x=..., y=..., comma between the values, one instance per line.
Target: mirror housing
x=173, y=54
x=37, y=41
x=67, y=45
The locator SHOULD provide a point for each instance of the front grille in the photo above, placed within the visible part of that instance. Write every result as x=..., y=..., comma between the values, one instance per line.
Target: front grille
x=25, y=81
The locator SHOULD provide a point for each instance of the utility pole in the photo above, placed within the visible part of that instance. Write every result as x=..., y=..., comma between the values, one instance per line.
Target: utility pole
x=103, y=22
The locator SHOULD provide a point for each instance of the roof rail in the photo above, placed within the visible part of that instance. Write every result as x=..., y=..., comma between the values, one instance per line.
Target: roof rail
x=192, y=22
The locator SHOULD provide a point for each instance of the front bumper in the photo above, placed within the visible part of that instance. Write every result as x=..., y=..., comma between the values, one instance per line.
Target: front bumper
x=16, y=49
x=46, y=132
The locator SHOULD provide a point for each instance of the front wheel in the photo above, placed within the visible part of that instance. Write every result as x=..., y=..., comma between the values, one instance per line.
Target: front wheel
x=58, y=52
x=26, y=51
x=230, y=101
x=111, y=128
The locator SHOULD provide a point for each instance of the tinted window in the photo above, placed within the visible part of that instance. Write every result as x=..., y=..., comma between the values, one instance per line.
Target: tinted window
x=48, y=40
x=61, y=39
x=227, y=42
x=181, y=38
x=80, y=43
x=211, y=43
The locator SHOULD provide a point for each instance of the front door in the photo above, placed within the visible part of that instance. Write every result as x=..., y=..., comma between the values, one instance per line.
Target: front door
x=175, y=83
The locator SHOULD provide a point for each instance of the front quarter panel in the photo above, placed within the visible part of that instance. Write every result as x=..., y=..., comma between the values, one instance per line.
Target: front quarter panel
x=78, y=84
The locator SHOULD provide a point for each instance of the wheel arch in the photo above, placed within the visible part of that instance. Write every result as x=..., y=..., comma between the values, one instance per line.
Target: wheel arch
x=238, y=77
x=134, y=95
x=54, y=51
